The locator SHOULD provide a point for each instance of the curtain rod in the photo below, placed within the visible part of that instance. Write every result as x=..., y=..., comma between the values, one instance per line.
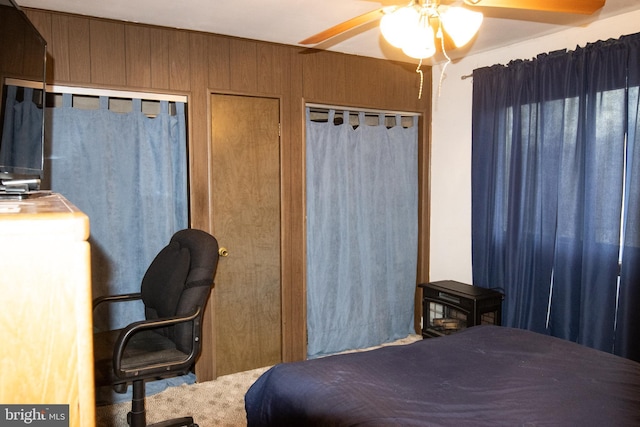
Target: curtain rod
x=75, y=90
x=365, y=110
x=23, y=83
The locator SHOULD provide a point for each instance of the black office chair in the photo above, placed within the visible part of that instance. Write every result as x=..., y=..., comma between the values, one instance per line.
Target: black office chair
x=174, y=291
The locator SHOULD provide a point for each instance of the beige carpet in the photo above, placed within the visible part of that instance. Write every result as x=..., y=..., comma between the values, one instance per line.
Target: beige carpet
x=213, y=403
x=217, y=403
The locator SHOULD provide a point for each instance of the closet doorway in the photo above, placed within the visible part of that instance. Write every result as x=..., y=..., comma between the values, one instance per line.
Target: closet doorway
x=245, y=207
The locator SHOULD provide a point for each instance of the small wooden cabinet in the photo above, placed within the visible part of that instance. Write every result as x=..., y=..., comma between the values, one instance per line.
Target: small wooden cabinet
x=46, y=337
x=449, y=306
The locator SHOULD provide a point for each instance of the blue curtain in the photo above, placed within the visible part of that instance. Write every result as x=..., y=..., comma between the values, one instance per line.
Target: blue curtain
x=21, y=147
x=362, y=207
x=128, y=173
x=628, y=320
x=554, y=140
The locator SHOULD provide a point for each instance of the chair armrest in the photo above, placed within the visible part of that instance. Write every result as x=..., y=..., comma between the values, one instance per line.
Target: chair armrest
x=142, y=325
x=116, y=298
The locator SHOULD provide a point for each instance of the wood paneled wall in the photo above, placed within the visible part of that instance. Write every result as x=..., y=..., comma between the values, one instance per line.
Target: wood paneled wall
x=94, y=52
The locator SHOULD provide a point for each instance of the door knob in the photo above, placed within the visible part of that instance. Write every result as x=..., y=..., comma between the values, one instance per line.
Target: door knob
x=223, y=252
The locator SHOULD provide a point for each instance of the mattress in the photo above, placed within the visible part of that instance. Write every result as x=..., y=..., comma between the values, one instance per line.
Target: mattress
x=485, y=375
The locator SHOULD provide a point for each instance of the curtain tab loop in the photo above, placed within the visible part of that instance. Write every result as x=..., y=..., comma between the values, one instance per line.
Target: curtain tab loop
x=12, y=93
x=67, y=100
x=104, y=103
x=136, y=105
x=28, y=94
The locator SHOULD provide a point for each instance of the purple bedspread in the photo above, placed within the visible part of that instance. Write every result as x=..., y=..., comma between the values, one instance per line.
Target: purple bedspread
x=485, y=375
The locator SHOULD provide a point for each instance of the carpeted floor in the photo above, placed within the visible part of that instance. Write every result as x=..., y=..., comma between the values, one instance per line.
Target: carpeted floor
x=217, y=403
x=213, y=403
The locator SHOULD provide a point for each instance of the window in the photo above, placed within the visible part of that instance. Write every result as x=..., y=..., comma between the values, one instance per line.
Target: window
x=554, y=172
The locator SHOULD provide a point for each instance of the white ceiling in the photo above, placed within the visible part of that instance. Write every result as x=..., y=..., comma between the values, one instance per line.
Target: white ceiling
x=289, y=21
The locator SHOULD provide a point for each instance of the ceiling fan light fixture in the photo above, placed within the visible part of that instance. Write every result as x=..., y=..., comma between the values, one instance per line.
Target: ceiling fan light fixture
x=461, y=24
x=421, y=44
x=394, y=25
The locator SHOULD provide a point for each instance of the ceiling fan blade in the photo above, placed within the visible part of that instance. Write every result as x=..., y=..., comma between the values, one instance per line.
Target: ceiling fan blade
x=585, y=7
x=344, y=26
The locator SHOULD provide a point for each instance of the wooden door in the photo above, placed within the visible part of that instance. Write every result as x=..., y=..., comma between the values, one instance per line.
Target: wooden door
x=246, y=221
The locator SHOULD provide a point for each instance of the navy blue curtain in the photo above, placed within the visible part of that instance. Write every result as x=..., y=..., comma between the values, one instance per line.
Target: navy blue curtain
x=628, y=318
x=555, y=192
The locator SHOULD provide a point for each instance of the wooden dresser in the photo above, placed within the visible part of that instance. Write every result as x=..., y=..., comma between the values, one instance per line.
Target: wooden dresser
x=46, y=337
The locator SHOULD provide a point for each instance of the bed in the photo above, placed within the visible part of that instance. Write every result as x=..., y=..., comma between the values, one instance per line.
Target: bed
x=484, y=375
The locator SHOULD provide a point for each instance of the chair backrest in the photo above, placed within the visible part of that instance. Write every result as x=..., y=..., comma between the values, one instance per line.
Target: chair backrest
x=180, y=279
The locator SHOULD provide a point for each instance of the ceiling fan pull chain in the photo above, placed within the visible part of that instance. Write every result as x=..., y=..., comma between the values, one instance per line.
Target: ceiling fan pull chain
x=419, y=71
x=444, y=51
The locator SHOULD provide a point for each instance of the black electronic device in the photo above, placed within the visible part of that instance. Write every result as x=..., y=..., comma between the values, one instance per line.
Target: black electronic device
x=23, y=87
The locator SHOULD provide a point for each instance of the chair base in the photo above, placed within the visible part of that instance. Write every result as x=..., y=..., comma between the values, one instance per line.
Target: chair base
x=176, y=422
x=137, y=416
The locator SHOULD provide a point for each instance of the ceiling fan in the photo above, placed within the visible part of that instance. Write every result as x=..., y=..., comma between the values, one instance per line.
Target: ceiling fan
x=415, y=26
